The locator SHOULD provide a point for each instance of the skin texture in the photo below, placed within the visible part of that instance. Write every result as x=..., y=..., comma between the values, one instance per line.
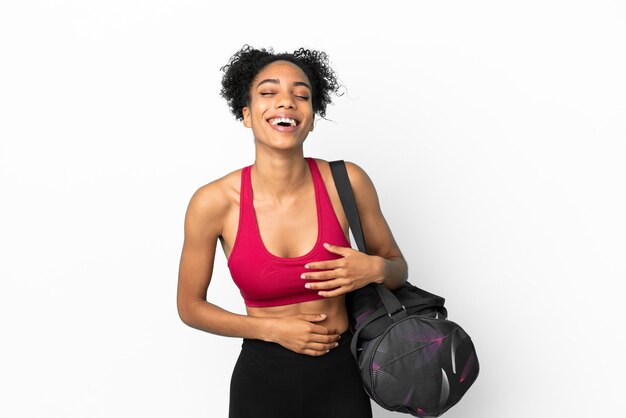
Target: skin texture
x=284, y=202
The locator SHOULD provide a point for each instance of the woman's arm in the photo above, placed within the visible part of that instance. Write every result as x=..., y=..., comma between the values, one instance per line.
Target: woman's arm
x=378, y=236
x=203, y=225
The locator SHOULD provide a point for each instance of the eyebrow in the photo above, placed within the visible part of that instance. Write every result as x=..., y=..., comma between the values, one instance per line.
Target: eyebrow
x=277, y=81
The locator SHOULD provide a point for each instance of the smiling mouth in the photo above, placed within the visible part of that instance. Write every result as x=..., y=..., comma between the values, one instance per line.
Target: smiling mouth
x=282, y=122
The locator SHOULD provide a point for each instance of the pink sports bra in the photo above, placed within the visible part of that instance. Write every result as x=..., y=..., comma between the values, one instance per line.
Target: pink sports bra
x=268, y=280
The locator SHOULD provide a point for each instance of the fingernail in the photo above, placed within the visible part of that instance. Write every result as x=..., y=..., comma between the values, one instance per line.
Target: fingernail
x=326, y=244
x=306, y=266
x=302, y=276
x=323, y=315
x=339, y=337
x=308, y=285
x=336, y=344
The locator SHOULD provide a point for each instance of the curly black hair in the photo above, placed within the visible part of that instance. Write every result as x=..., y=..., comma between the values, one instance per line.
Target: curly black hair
x=246, y=63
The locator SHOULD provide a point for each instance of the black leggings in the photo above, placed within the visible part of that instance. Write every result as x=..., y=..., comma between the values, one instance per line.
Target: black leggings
x=270, y=381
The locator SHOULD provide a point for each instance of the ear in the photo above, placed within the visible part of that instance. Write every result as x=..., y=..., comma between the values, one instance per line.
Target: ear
x=312, y=126
x=247, y=122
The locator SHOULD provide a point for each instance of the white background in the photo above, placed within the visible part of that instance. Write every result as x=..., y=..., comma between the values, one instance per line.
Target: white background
x=493, y=131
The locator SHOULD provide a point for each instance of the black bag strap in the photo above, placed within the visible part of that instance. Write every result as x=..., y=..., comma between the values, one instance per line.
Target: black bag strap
x=344, y=188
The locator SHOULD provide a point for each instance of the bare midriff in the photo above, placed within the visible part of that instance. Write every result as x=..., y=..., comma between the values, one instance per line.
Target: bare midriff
x=334, y=309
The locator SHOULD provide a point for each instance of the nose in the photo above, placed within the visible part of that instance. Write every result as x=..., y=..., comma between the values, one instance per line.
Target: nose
x=285, y=100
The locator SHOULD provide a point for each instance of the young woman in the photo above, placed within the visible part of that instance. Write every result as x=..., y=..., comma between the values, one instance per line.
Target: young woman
x=285, y=236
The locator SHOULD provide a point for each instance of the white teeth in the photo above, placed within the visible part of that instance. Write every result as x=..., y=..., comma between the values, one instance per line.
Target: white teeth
x=276, y=121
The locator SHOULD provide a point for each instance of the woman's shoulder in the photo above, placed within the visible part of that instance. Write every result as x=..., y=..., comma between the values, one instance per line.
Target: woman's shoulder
x=217, y=196
x=357, y=175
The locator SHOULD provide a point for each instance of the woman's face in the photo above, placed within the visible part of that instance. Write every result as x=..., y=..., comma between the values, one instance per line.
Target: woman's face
x=280, y=111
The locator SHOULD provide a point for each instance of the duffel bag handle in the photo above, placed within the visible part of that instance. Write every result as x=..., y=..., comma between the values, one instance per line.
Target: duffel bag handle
x=395, y=309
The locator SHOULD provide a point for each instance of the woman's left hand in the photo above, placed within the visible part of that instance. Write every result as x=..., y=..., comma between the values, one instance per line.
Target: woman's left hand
x=352, y=271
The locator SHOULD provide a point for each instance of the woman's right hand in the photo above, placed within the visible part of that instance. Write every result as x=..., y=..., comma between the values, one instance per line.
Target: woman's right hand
x=301, y=334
